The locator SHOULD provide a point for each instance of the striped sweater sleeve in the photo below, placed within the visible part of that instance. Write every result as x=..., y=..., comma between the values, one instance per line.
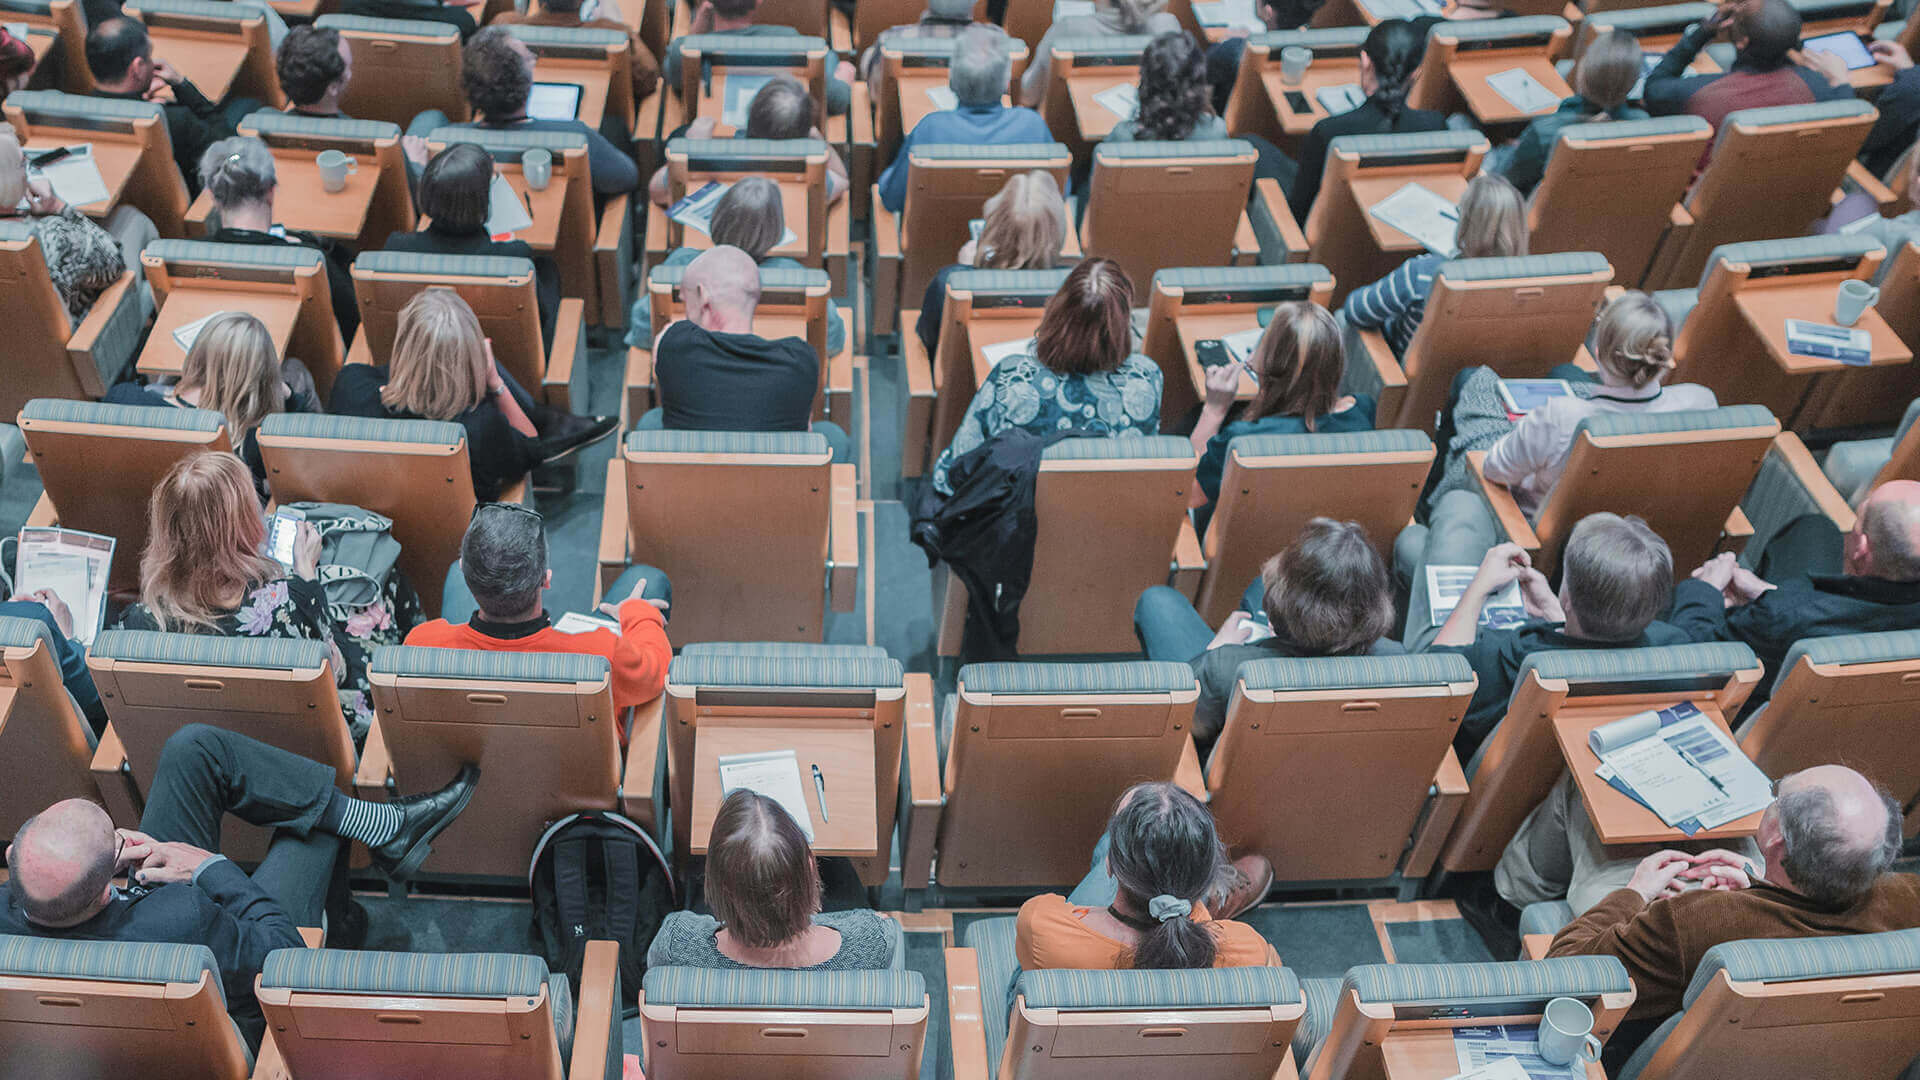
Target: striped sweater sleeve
x=1374, y=306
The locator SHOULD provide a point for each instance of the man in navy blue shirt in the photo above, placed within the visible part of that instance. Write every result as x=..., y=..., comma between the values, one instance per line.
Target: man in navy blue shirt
x=981, y=68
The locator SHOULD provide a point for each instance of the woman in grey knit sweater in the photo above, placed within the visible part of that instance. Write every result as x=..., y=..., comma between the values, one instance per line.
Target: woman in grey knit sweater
x=764, y=889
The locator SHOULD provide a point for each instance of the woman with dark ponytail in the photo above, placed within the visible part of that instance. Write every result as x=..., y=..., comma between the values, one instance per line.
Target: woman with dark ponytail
x=1144, y=905
x=1389, y=58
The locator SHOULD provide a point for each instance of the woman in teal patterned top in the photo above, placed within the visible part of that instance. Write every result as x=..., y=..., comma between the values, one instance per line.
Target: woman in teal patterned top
x=1079, y=373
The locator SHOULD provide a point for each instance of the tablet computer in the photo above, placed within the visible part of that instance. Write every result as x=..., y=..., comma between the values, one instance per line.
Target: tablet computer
x=555, y=101
x=1847, y=45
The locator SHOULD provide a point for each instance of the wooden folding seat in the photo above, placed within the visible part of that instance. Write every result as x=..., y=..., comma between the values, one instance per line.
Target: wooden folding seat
x=99, y=465
x=1520, y=760
x=1857, y=467
x=44, y=739
x=284, y=287
x=1130, y=492
x=60, y=359
x=1260, y=103
x=401, y=68
x=1797, y=154
x=1462, y=54
x=707, y=60
x=1788, y=486
x=1273, y=485
x=1209, y=1024
x=1611, y=187
x=833, y=708
x=1834, y=16
x=702, y=1024
x=682, y=501
x=1524, y=315
x=1134, y=185
x=821, y=236
x=73, y=1009
x=1368, y=1018
x=1878, y=396
x=222, y=48
x=1193, y=304
x=983, y=307
x=296, y=140
x=1023, y=742
x=869, y=21
x=67, y=22
x=910, y=70
x=503, y=295
x=414, y=472
x=334, y=1012
x=130, y=145
x=1656, y=28
x=596, y=59
x=541, y=727
x=1080, y=68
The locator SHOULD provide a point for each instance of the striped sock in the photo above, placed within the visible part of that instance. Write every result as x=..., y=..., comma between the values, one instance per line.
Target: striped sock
x=371, y=823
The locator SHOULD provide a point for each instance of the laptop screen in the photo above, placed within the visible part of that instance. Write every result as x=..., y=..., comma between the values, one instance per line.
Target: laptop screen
x=554, y=101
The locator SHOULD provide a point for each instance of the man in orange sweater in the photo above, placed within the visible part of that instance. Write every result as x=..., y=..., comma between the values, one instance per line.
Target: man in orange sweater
x=497, y=586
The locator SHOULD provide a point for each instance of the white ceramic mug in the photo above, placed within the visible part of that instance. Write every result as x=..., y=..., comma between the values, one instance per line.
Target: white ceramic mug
x=1854, y=299
x=1566, y=1033
x=536, y=164
x=1294, y=61
x=334, y=167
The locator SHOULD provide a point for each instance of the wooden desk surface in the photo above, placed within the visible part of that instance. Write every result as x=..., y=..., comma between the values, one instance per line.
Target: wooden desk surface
x=1766, y=309
x=208, y=61
x=1095, y=119
x=303, y=203
x=1616, y=818
x=912, y=87
x=590, y=76
x=163, y=356
x=116, y=161
x=713, y=104
x=842, y=749
x=793, y=203
x=1324, y=72
x=1470, y=78
x=1428, y=1055
x=1368, y=191
x=985, y=331
x=546, y=207
x=1204, y=325
x=39, y=40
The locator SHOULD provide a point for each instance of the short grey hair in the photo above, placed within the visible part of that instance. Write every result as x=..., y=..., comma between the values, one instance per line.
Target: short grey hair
x=981, y=68
x=1890, y=525
x=504, y=560
x=1618, y=576
x=238, y=170
x=1824, y=863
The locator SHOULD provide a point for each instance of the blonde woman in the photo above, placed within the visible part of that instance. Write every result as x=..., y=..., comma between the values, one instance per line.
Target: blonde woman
x=1110, y=18
x=1601, y=82
x=1493, y=223
x=1025, y=227
x=233, y=370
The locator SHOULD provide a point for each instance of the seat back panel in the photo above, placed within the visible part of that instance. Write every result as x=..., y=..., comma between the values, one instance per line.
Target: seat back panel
x=42, y=737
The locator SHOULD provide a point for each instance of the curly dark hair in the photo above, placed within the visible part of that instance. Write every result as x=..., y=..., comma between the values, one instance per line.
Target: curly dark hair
x=493, y=74
x=309, y=62
x=1174, y=94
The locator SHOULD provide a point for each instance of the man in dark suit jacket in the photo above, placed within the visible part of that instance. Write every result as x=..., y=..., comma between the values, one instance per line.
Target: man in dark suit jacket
x=1865, y=581
x=62, y=862
x=120, y=56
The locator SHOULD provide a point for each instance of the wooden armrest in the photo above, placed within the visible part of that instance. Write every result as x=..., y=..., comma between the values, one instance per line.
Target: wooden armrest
x=1814, y=482
x=637, y=394
x=268, y=1064
x=643, y=764
x=87, y=334
x=964, y=1004
x=1393, y=378
x=886, y=229
x=611, y=270
x=1500, y=501
x=1735, y=531
x=1187, y=774
x=1858, y=175
x=920, y=396
x=1189, y=562
x=597, y=1011
x=1444, y=804
x=926, y=794
x=860, y=115
x=376, y=766
x=1246, y=242
x=115, y=780
x=1292, y=240
x=613, y=517
x=43, y=514
x=843, y=539
x=569, y=348
x=1535, y=946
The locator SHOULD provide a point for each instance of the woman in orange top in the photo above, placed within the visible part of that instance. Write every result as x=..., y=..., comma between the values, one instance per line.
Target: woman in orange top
x=1163, y=857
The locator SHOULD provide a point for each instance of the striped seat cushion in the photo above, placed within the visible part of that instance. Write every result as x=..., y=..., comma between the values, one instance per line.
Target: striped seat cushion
x=209, y=650
x=1713, y=660
x=1105, y=46
x=361, y=24
x=108, y=961
x=780, y=443
x=1785, y=252
x=1629, y=130
x=362, y=429
x=1891, y=646
x=1148, y=150
x=777, y=672
x=1466, y=984
x=1121, y=448
x=1286, y=674
x=205, y=9
x=1204, y=988
x=415, y=661
x=1673, y=16
x=1036, y=283
x=343, y=971
x=827, y=990
x=1503, y=29
x=770, y=278
x=1388, y=441
x=1778, y=115
x=16, y=231
x=1546, y=917
x=1564, y=264
x=499, y=142
x=1412, y=144
x=992, y=941
x=284, y=256
x=19, y=633
x=1323, y=999
x=1726, y=417
x=730, y=45
x=423, y=262
x=1126, y=677
x=783, y=648
x=275, y=122
x=63, y=411
x=45, y=106
x=1796, y=959
x=594, y=36
x=1016, y=153
x=714, y=153
x=1275, y=40
x=1302, y=276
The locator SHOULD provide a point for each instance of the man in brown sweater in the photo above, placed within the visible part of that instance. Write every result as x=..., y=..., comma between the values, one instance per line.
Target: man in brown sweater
x=1828, y=840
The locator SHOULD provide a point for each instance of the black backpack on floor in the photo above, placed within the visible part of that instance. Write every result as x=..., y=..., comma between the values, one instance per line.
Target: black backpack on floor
x=597, y=875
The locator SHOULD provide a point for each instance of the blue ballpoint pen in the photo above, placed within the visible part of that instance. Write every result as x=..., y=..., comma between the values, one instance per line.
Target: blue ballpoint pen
x=820, y=789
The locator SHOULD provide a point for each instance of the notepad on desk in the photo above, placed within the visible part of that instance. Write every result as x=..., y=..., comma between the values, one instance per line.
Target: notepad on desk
x=507, y=211
x=573, y=622
x=740, y=92
x=772, y=773
x=695, y=210
x=1228, y=14
x=1522, y=91
x=1421, y=213
x=75, y=178
x=1679, y=764
x=1340, y=98
x=1067, y=9
x=1000, y=350
x=1122, y=100
x=185, y=336
x=943, y=97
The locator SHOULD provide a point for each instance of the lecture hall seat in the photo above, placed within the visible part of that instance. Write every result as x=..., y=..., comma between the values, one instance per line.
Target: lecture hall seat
x=1133, y=186
x=62, y=360
x=401, y=68
x=702, y=1024
x=44, y=739
x=130, y=140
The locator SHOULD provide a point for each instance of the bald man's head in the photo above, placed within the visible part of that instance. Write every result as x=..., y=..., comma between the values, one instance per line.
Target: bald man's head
x=1832, y=833
x=722, y=289
x=61, y=863
x=1885, y=542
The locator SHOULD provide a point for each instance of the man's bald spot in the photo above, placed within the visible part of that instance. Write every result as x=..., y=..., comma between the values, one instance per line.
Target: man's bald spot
x=1857, y=805
x=62, y=860
x=1890, y=520
x=728, y=278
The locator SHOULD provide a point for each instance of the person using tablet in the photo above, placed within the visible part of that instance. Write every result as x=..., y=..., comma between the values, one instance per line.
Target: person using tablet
x=645, y=67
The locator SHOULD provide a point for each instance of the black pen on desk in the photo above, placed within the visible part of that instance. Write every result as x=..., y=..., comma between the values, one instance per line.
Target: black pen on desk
x=1695, y=762
x=1451, y=215
x=528, y=199
x=820, y=789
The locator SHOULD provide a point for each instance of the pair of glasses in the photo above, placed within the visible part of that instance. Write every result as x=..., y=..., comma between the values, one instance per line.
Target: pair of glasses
x=514, y=508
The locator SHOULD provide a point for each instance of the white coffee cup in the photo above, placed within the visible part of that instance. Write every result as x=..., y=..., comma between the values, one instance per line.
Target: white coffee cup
x=536, y=165
x=1566, y=1033
x=1854, y=299
x=334, y=168
x=1294, y=61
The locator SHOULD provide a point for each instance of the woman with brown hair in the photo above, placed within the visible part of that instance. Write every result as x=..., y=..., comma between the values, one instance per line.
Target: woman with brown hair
x=764, y=889
x=1023, y=227
x=1079, y=372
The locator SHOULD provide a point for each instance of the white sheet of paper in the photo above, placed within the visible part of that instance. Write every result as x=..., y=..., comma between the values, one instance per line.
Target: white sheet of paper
x=1668, y=783
x=1505, y=1068
x=1066, y=9
x=1340, y=98
x=943, y=97
x=1447, y=583
x=76, y=177
x=74, y=566
x=1481, y=1047
x=1420, y=213
x=1523, y=91
x=575, y=623
x=1002, y=349
x=773, y=773
x=1701, y=742
x=740, y=91
x=506, y=213
x=1648, y=61
x=17, y=29
x=695, y=211
x=1240, y=346
x=185, y=336
x=1122, y=101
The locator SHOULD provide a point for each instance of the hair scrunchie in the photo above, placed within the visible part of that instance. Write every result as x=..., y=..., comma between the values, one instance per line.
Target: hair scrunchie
x=1165, y=908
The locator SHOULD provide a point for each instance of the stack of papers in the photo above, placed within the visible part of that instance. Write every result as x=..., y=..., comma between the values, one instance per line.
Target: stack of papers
x=695, y=211
x=185, y=336
x=1420, y=213
x=943, y=97
x=1000, y=350
x=740, y=91
x=1228, y=14
x=1240, y=346
x=1122, y=101
x=72, y=565
x=1340, y=98
x=773, y=773
x=1849, y=345
x=1515, y=1045
x=1447, y=583
x=575, y=623
x=1677, y=763
x=507, y=212
x=1523, y=91
x=75, y=178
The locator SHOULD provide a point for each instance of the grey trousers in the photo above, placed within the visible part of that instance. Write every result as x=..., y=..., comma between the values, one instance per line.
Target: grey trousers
x=1460, y=531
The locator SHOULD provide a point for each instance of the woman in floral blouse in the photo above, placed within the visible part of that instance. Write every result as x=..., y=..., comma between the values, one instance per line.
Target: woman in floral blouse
x=203, y=573
x=1080, y=373
x=83, y=258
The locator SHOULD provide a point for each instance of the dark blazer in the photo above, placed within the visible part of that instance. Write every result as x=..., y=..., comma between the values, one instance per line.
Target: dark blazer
x=435, y=240
x=224, y=910
x=346, y=309
x=1370, y=118
x=193, y=124
x=497, y=455
x=1816, y=605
